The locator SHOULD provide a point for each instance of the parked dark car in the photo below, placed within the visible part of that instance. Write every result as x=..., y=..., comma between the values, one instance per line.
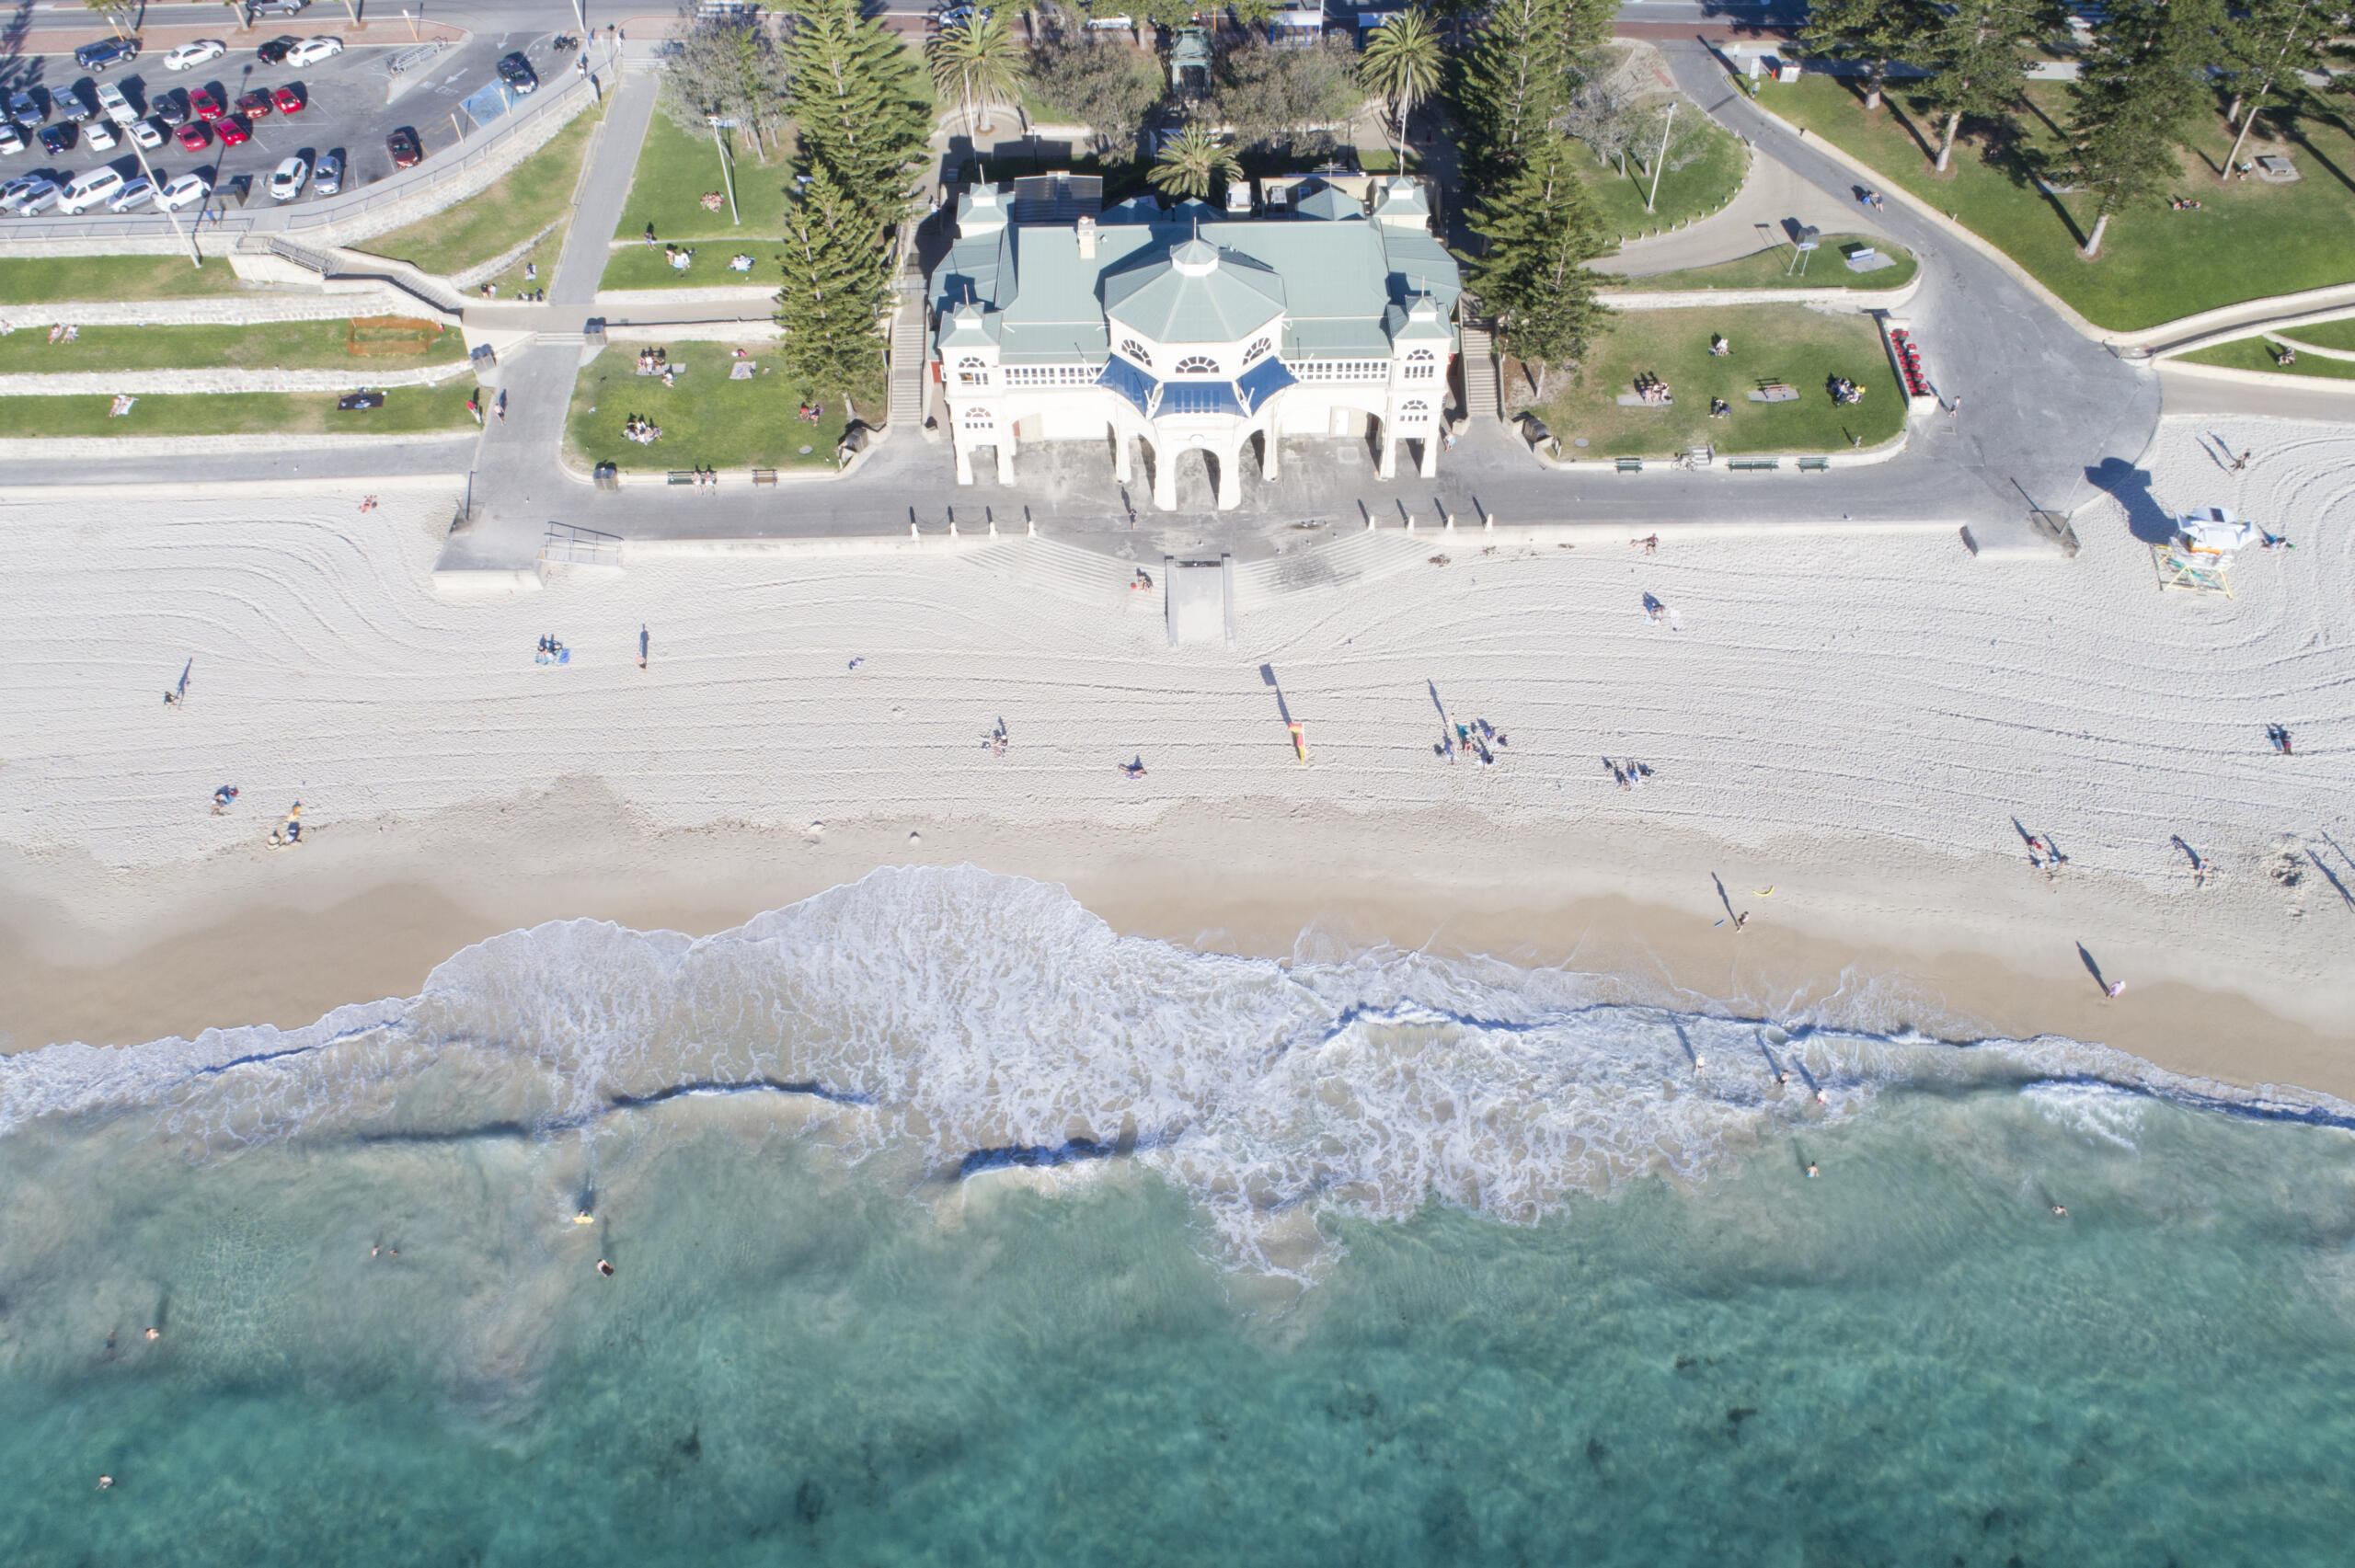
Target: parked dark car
x=105, y=52
x=67, y=103
x=59, y=138
x=516, y=72
x=403, y=145
x=26, y=109
x=274, y=51
x=171, y=108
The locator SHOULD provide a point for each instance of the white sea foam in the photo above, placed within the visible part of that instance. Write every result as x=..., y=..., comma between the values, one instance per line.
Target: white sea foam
x=950, y=1016
x=2106, y=1113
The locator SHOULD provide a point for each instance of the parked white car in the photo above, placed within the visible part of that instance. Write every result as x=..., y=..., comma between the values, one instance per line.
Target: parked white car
x=186, y=192
x=99, y=134
x=286, y=181
x=86, y=190
x=147, y=133
x=136, y=192
x=40, y=197
x=189, y=56
x=114, y=105
x=311, y=50
x=12, y=139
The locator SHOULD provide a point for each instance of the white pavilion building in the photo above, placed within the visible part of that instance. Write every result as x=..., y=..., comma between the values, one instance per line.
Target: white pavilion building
x=1191, y=329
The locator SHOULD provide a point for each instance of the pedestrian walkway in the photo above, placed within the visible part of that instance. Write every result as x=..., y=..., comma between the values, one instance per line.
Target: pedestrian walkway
x=605, y=191
x=1754, y=221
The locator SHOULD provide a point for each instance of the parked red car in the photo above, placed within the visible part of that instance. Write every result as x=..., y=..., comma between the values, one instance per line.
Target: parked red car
x=195, y=135
x=288, y=99
x=207, y=107
x=254, y=105
x=402, y=144
x=233, y=132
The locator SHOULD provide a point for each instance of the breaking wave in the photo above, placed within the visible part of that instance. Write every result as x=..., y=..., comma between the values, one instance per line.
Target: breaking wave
x=967, y=1023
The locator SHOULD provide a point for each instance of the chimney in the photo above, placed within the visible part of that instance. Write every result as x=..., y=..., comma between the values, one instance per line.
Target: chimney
x=1088, y=239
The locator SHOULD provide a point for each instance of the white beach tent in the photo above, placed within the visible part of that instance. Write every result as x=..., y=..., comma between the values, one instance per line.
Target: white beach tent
x=2214, y=529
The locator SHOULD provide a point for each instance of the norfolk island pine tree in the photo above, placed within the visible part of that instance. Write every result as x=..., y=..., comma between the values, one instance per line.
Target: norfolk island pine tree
x=1531, y=278
x=853, y=104
x=1977, y=55
x=837, y=281
x=2132, y=96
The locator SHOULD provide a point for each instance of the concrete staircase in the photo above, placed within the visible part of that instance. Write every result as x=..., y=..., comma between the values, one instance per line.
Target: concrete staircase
x=906, y=407
x=340, y=263
x=1480, y=379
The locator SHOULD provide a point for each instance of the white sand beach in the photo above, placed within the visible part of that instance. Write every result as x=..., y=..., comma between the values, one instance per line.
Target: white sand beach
x=1854, y=721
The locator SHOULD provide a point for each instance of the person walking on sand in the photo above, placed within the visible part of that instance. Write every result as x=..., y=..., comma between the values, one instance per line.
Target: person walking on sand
x=2112, y=988
x=642, y=645
x=2240, y=463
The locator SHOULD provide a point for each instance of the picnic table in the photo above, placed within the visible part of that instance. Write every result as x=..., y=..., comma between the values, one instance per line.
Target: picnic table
x=1775, y=391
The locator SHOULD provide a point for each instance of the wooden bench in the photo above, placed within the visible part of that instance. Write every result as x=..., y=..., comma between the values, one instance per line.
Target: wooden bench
x=764, y=476
x=1815, y=466
x=1631, y=465
x=1775, y=391
x=1753, y=465
x=682, y=476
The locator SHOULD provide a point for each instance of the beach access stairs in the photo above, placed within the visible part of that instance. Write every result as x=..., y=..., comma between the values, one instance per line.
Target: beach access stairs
x=1482, y=386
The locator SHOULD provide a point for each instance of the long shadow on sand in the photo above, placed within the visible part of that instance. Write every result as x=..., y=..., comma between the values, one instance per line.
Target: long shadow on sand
x=2145, y=518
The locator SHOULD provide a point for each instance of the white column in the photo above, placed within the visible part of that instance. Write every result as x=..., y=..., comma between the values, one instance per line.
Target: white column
x=1431, y=443
x=1272, y=465
x=1005, y=448
x=1164, y=476
x=1121, y=469
x=961, y=444
x=1230, y=477
x=1388, y=467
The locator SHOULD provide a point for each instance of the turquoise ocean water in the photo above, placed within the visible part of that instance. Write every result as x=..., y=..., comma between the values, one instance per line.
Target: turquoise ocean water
x=948, y=1227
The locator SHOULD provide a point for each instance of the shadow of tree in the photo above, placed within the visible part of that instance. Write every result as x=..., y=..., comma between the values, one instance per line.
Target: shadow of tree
x=2145, y=518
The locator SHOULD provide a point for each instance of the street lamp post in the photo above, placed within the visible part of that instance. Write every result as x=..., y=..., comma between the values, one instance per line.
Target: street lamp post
x=195, y=256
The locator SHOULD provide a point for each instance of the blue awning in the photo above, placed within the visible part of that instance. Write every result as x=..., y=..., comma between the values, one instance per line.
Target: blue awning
x=1129, y=383
x=1262, y=382
x=1199, y=398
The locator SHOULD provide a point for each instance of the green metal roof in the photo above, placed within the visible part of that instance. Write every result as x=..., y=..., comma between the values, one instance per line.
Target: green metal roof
x=1334, y=281
x=1197, y=294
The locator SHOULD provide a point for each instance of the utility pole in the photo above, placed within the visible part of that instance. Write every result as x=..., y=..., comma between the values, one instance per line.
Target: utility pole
x=1661, y=158
x=411, y=20
x=719, y=139
x=195, y=257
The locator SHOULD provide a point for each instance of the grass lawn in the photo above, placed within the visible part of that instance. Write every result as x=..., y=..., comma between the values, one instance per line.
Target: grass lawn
x=2249, y=239
x=674, y=169
x=707, y=420
x=284, y=345
x=1714, y=163
x=41, y=279
x=2251, y=354
x=1770, y=269
x=1784, y=343
x=2326, y=335
x=535, y=193
x=635, y=267
x=407, y=410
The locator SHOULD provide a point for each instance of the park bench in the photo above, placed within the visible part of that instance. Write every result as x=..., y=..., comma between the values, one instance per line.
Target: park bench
x=764, y=476
x=1631, y=465
x=1775, y=391
x=683, y=475
x=1815, y=466
x=1753, y=465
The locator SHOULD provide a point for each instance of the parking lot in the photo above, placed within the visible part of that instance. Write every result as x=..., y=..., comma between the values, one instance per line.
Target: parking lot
x=352, y=101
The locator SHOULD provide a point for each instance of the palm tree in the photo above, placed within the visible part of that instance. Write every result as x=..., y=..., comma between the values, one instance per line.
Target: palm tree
x=1404, y=59
x=977, y=62
x=1190, y=161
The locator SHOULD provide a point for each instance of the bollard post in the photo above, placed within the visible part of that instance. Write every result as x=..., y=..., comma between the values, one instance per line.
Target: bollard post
x=912, y=531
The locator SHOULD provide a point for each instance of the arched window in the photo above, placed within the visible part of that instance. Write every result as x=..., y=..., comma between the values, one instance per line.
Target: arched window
x=1421, y=365
x=1416, y=412
x=1136, y=351
x=1198, y=364
x=973, y=370
x=1252, y=355
x=979, y=419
